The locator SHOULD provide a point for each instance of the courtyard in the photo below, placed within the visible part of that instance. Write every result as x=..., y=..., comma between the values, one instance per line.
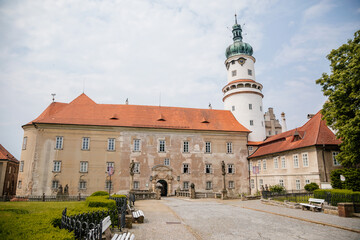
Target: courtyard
x=181, y=218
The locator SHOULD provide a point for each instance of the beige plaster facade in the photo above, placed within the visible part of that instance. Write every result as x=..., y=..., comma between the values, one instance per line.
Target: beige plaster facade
x=41, y=176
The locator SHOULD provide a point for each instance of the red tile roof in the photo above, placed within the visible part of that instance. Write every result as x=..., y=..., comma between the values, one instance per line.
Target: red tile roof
x=84, y=111
x=314, y=132
x=5, y=155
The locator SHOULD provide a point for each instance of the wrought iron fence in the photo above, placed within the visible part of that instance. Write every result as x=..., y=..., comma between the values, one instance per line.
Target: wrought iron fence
x=289, y=196
x=44, y=198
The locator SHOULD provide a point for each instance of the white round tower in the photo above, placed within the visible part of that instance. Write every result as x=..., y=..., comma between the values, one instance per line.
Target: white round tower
x=242, y=94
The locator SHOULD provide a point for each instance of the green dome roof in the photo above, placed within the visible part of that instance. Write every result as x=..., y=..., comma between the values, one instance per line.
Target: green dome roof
x=238, y=47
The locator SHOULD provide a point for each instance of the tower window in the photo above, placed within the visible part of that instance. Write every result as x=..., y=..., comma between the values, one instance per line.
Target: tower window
x=233, y=73
x=260, y=108
x=249, y=72
x=250, y=106
x=232, y=62
x=251, y=122
x=233, y=108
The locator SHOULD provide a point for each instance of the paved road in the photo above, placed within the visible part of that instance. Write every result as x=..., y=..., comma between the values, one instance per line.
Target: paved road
x=178, y=218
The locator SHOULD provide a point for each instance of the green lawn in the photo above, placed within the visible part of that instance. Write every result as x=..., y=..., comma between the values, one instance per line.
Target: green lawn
x=33, y=220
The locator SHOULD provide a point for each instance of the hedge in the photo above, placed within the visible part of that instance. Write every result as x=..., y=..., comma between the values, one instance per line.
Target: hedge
x=118, y=196
x=335, y=196
x=99, y=193
x=352, y=180
x=100, y=201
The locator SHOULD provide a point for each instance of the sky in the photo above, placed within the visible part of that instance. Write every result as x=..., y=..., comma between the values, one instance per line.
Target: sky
x=162, y=52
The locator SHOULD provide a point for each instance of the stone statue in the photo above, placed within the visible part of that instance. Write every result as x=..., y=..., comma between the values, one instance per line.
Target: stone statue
x=223, y=168
x=192, y=185
x=66, y=190
x=132, y=167
x=266, y=187
x=60, y=190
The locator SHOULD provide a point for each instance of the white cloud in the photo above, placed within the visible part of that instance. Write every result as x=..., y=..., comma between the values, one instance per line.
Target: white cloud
x=318, y=10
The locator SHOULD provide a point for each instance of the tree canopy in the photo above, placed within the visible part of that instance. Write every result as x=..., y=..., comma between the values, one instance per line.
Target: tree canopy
x=342, y=109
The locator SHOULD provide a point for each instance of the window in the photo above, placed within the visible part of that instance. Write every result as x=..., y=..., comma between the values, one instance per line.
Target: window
x=186, y=168
x=297, y=182
x=283, y=162
x=229, y=147
x=252, y=183
x=186, y=185
x=231, y=184
x=10, y=169
x=59, y=143
x=207, y=147
x=136, y=185
x=83, y=166
x=264, y=164
x=296, y=160
x=24, y=143
x=335, y=161
x=208, y=185
x=262, y=123
x=233, y=73
x=305, y=159
x=111, y=144
x=208, y=168
x=136, y=145
x=259, y=164
x=281, y=182
x=55, y=184
x=249, y=72
x=250, y=148
x=108, y=185
x=57, y=166
x=250, y=106
x=232, y=62
x=137, y=167
x=186, y=147
x=167, y=162
x=21, y=168
x=307, y=181
x=231, y=168
x=260, y=108
x=82, y=184
x=233, y=108
x=251, y=122
x=251, y=166
x=85, y=143
x=161, y=145
x=110, y=165
x=276, y=164
x=261, y=183
x=19, y=184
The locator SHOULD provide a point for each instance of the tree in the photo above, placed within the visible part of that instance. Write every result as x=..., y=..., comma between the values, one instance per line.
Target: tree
x=342, y=110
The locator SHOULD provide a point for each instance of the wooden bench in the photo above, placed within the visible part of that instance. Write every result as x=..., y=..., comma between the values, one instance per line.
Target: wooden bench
x=138, y=216
x=131, y=209
x=314, y=204
x=124, y=236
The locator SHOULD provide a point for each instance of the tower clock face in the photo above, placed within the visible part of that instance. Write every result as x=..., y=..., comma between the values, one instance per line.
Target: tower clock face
x=242, y=61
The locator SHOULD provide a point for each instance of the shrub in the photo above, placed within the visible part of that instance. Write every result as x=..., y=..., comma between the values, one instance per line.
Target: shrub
x=99, y=193
x=277, y=189
x=118, y=196
x=335, y=196
x=100, y=201
x=311, y=187
x=352, y=180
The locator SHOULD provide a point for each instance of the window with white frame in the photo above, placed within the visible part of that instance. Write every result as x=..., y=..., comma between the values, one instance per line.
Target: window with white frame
x=259, y=164
x=307, y=181
x=281, y=182
x=252, y=183
x=335, y=161
x=250, y=166
x=283, y=162
x=136, y=145
x=229, y=147
x=276, y=163
x=185, y=185
x=161, y=145
x=55, y=184
x=59, y=142
x=167, y=162
x=136, y=185
x=83, y=166
x=208, y=185
x=251, y=122
x=231, y=168
x=137, y=167
x=296, y=160
x=233, y=73
x=260, y=108
x=233, y=108
x=250, y=148
x=110, y=165
x=250, y=106
x=57, y=166
x=186, y=146
x=21, y=167
x=24, y=143
x=82, y=184
x=231, y=184
x=108, y=184
x=297, y=182
x=305, y=159
x=249, y=72
x=85, y=143
x=261, y=183
x=19, y=184
x=208, y=168
x=207, y=147
x=264, y=165
x=111, y=144
x=186, y=168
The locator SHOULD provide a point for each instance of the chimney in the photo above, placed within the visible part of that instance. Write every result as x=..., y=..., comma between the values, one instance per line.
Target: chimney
x=283, y=122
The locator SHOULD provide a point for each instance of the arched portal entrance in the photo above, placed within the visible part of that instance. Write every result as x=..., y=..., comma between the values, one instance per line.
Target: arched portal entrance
x=164, y=188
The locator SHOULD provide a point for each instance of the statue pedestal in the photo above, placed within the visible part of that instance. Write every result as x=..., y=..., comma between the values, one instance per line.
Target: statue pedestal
x=224, y=194
x=192, y=193
x=158, y=194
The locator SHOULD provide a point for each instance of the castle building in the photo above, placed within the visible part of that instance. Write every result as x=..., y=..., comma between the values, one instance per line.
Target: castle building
x=9, y=168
